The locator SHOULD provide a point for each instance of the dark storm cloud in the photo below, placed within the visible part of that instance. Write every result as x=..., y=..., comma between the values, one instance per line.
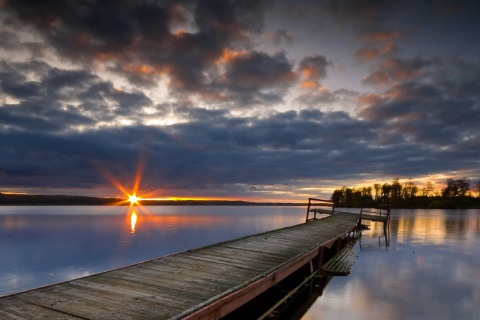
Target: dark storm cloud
x=282, y=149
x=314, y=68
x=256, y=77
x=311, y=70
x=51, y=99
x=397, y=70
x=429, y=109
x=325, y=99
x=189, y=155
x=145, y=40
x=220, y=150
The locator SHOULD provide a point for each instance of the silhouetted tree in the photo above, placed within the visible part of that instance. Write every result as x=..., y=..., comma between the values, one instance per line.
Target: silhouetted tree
x=396, y=192
x=337, y=197
x=476, y=188
x=456, y=188
x=378, y=189
x=409, y=190
x=455, y=195
x=348, y=197
x=428, y=189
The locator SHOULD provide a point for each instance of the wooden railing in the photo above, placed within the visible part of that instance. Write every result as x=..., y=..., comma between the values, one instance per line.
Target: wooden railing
x=326, y=207
x=381, y=214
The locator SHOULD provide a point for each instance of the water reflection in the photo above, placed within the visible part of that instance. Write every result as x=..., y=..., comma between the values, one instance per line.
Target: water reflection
x=382, y=235
x=133, y=220
x=429, y=272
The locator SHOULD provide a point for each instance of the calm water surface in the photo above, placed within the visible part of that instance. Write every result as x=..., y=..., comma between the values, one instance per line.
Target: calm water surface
x=429, y=270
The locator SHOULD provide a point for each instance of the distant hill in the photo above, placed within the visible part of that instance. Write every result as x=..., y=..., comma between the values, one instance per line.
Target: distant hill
x=62, y=200
x=24, y=199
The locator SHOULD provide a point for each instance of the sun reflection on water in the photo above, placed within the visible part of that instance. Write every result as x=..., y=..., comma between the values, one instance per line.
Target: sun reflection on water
x=133, y=220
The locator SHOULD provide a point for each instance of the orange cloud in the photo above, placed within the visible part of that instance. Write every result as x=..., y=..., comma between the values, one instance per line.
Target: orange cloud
x=180, y=33
x=396, y=70
x=398, y=93
x=311, y=73
x=368, y=53
x=141, y=68
x=389, y=47
x=104, y=56
x=312, y=69
x=229, y=55
x=309, y=84
x=382, y=36
x=400, y=72
x=377, y=78
x=369, y=99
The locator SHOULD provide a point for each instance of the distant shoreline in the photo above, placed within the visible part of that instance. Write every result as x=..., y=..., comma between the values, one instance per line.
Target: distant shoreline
x=62, y=200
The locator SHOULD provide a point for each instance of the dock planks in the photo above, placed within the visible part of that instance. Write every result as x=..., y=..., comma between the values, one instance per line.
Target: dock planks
x=205, y=283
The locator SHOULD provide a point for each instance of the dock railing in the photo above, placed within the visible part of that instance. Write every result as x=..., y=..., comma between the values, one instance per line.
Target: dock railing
x=382, y=214
x=319, y=206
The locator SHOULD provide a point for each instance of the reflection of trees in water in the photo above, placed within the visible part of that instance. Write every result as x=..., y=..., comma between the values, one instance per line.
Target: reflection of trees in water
x=456, y=226
x=436, y=225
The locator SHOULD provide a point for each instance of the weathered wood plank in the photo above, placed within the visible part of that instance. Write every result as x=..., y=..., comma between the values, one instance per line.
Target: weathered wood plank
x=270, y=246
x=15, y=307
x=342, y=262
x=8, y=316
x=241, y=258
x=178, y=279
x=259, y=252
x=217, y=265
x=153, y=289
x=171, y=287
x=210, y=272
x=83, y=307
x=132, y=302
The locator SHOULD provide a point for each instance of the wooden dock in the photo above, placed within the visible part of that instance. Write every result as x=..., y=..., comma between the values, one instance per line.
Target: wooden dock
x=206, y=283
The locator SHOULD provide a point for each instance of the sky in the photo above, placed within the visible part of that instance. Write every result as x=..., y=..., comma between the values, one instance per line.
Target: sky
x=250, y=100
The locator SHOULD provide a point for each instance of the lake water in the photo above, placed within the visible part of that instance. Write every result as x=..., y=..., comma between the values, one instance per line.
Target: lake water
x=430, y=268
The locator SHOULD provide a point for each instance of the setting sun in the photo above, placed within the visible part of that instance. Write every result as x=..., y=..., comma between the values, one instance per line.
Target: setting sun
x=133, y=199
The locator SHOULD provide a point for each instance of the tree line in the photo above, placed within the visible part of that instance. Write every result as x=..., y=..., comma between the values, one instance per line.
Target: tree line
x=458, y=193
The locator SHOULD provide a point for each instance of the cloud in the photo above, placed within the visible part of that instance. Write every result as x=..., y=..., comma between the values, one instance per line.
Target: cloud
x=392, y=139
x=226, y=151
x=280, y=36
x=255, y=78
x=144, y=41
x=217, y=150
x=428, y=109
x=50, y=99
x=312, y=69
x=383, y=36
x=327, y=100
x=394, y=70
x=373, y=53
